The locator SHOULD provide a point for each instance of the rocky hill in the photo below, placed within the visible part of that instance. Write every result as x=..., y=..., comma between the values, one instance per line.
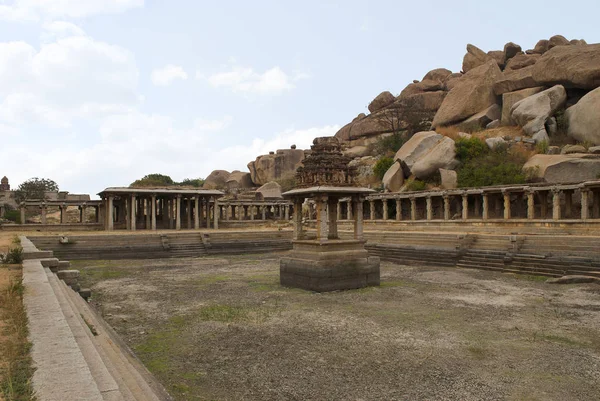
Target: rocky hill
x=541, y=106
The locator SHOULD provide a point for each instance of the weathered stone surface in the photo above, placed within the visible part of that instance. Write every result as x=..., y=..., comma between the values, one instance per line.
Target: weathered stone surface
x=510, y=98
x=584, y=118
x=415, y=147
x=356, y=151
x=493, y=124
x=564, y=168
x=359, y=117
x=438, y=74
x=483, y=118
x=427, y=85
x=532, y=112
x=442, y=155
x=570, y=149
x=452, y=81
x=594, y=150
x=239, y=180
x=577, y=42
x=282, y=164
x=551, y=126
x=449, y=179
x=365, y=176
x=474, y=58
x=521, y=61
x=558, y=40
x=498, y=56
x=492, y=143
x=553, y=150
x=514, y=80
x=571, y=66
x=216, y=180
x=511, y=50
x=471, y=95
x=428, y=101
x=541, y=47
x=382, y=100
x=271, y=190
x=394, y=178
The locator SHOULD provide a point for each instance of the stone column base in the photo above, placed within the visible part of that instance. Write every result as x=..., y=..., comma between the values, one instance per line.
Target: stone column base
x=329, y=266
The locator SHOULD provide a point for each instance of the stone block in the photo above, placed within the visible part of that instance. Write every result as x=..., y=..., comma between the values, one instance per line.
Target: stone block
x=63, y=265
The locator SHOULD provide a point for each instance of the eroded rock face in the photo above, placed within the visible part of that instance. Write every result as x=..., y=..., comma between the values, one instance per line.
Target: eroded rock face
x=514, y=80
x=511, y=50
x=571, y=66
x=216, y=180
x=271, y=190
x=281, y=165
x=472, y=94
x=584, y=118
x=239, y=180
x=521, y=61
x=532, y=112
x=564, y=168
x=510, y=98
x=474, y=58
x=449, y=179
x=483, y=118
x=393, y=178
x=382, y=100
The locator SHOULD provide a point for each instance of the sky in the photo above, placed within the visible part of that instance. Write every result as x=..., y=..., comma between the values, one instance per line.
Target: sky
x=99, y=93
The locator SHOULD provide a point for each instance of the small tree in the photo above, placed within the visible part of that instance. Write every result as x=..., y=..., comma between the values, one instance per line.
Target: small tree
x=382, y=166
x=153, y=180
x=191, y=182
x=35, y=188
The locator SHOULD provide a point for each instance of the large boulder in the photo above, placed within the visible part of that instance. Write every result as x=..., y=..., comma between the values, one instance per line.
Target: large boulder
x=521, y=61
x=439, y=74
x=474, y=58
x=541, y=47
x=426, y=101
x=449, y=179
x=452, y=80
x=418, y=145
x=382, y=100
x=483, y=118
x=269, y=191
x=441, y=156
x=278, y=165
x=216, y=180
x=471, y=95
x=510, y=98
x=393, y=178
x=563, y=168
x=570, y=66
x=239, y=180
x=584, y=118
x=558, y=40
x=514, y=80
x=532, y=112
x=511, y=50
x=498, y=56
x=356, y=151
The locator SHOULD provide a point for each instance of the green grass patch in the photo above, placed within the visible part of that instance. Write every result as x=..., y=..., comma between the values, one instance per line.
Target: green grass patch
x=223, y=313
x=208, y=280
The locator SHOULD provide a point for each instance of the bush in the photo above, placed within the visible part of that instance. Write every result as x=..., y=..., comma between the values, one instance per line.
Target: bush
x=382, y=165
x=542, y=147
x=390, y=144
x=471, y=148
x=13, y=215
x=494, y=168
x=416, y=185
x=13, y=256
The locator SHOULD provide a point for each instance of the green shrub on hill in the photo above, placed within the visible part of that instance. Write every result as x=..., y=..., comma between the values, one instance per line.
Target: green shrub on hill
x=382, y=166
x=498, y=167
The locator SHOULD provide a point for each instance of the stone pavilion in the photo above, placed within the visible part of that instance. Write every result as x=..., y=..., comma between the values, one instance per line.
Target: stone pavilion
x=326, y=262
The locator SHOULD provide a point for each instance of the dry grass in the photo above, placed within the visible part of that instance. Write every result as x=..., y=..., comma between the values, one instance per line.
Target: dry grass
x=15, y=365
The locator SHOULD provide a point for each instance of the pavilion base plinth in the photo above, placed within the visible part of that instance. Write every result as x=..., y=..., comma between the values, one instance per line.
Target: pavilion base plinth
x=329, y=266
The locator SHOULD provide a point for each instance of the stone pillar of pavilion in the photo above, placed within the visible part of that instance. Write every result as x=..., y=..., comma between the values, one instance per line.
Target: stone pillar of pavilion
x=178, y=213
x=465, y=206
x=328, y=263
x=109, y=213
x=216, y=212
x=153, y=211
x=446, y=206
x=22, y=209
x=485, y=205
x=63, y=213
x=371, y=210
x=556, y=204
x=398, y=209
x=585, y=206
x=530, y=205
x=413, y=208
x=506, y=196
x=44, y=209
x=429, y=208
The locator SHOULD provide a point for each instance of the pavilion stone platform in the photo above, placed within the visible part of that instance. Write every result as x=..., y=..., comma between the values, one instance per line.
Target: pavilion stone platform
x=328, y=263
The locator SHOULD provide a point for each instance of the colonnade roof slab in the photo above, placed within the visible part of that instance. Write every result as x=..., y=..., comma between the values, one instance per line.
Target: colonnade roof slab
x=160, y=192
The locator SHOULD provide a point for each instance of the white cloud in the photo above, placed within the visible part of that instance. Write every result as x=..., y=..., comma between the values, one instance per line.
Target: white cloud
x=34, y=10
x=164, y=76
x=245, y=80
x=71, y=77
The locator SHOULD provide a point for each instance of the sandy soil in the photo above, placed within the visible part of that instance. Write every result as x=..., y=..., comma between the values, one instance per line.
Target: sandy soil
x=224, y=329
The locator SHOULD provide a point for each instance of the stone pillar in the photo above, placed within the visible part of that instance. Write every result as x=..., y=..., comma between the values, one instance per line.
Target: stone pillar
x=44, y=209
x=595, y=204
x=338, y=209
x=216, y=216
x=585, y=208
x=506, y=195
x=371, y=210
x=178, y=213
x=189, y=213
x=349, y=209
x=358, y=218
x=385, y=209
x=398, y=209
x=22, y=209
x=556, y=203
x=465, y=206
x=264, y=212
x=429, y=208
x=63, y=214
x=322, y=229
x=530, y=205
x=568, y=203
x=297, y=218
x=196, y=215
x=446, y=207
x=208, y=213
x=82, y=213
x=153, y=212
x=332, y=215
x=287, y=211
x=413, y=208
x=132, y=215
x=109, y=213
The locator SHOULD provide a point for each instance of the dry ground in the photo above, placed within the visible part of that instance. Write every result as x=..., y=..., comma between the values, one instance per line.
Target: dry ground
x=223, y=329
